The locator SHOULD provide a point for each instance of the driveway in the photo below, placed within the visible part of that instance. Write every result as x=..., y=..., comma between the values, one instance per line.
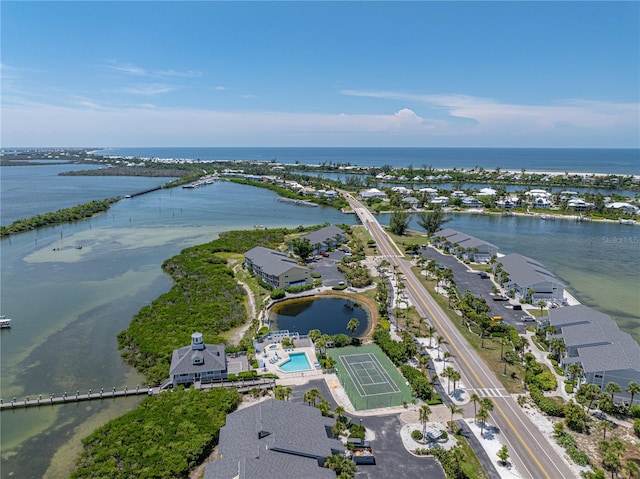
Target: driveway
x=466, y=279
x=392, y=459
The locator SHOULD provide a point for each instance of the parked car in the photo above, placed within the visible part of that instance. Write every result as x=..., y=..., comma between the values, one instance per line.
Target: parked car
x=325, y=254
x=496, y=319
x=483, y=275
x=527, y=319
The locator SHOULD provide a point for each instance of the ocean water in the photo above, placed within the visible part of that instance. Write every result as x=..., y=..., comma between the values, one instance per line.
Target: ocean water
x=614, y=161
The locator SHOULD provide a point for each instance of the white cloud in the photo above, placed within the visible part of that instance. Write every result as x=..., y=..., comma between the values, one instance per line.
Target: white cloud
x=147, y=89
x=491, y=116
x=134, y=70
x=469, y=121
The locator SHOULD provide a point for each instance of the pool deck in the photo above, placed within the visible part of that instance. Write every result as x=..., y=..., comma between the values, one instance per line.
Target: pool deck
x=282, y=356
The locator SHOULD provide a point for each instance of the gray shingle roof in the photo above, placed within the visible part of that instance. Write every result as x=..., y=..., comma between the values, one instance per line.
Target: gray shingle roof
x=464, y=240
x=578, y=314
x=525, y=271
x=212, y=354
x=271, y=262
x=323, y=234
x=277, y=439
x=582, y=326
x=623, y=353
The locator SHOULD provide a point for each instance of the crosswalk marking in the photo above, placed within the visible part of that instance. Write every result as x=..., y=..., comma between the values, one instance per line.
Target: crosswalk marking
x=490, y=392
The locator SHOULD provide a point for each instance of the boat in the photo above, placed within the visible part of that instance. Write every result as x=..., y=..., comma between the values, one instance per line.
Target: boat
x=626, y=221
x=4, y=322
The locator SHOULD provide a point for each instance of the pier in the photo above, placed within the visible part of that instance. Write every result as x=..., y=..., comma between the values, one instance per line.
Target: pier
x=91, y=395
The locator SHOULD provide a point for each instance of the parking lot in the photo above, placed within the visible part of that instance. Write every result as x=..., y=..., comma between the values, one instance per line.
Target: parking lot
x=467, y=279
x=326, y=267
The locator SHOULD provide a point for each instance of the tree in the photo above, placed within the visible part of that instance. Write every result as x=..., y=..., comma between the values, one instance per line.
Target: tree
x=486, y=404
x=454, y=410
x=605, y=426
x=503, y=454
x=302, y=247
x=423, y=416
x=339, y=413
x=431, y=331
x=446, y=373
x=612, y=388
x=399, y=222
x=632, y=389
x=575, y=370
x=440, y=340
x=352, y=325
x=482, y=417
x=342, y=466
x=455, y=377
x=475, y=399
x=432, y=221
x=575, y=418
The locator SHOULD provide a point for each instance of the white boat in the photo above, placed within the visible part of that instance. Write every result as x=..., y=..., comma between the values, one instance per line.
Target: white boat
x=626, y=221
x=4, y=322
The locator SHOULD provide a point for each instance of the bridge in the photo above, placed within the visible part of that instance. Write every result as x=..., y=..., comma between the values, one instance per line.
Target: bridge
x=31, y=401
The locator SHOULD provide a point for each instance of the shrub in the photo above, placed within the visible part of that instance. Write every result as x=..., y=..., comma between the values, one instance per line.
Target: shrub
x=277, y=294
x=416, y=435
x=547, y=405
x=545, y=381
x=634, y=411
x=636, y=427
x=316, y=275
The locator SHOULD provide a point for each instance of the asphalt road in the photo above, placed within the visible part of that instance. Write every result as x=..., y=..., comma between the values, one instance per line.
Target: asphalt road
x=530, y=451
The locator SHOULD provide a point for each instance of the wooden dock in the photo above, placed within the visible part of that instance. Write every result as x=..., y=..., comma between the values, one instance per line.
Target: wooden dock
x=40, y=400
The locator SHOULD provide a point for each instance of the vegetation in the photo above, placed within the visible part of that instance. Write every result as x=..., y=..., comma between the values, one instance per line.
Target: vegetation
x=205, y=298
x=66, y=215
x=432, y=221
x=399, y=222
x=165, y=437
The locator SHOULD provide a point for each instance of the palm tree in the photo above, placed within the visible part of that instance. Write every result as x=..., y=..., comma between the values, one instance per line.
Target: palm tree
x=633, y=388
x=423, y=417
x=482, y=416
x=342, y=466
x=440, y=340
x=352, y=325
x=454, y=410
x=430, y=333
x=339, y=412
x=487, y=404
x=591, y=393
x=475, y=399
x=612, y=388
x=575, y=370
x=455, y=377
x=446, y=373
x=605, y=426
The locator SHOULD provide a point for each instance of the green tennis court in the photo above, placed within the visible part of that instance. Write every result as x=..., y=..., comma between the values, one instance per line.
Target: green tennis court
x=370, y=379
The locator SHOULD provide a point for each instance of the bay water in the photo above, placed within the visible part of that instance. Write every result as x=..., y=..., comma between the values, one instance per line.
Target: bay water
x=69, y=304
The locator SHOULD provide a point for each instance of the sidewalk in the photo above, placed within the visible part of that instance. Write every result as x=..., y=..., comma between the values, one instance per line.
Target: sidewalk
x=541, y=357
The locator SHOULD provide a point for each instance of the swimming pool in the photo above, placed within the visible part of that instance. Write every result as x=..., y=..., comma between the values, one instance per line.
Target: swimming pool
x=273, y=346
x=296, y=362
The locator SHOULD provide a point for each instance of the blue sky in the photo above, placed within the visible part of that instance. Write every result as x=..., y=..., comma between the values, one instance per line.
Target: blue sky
x=523, y=74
